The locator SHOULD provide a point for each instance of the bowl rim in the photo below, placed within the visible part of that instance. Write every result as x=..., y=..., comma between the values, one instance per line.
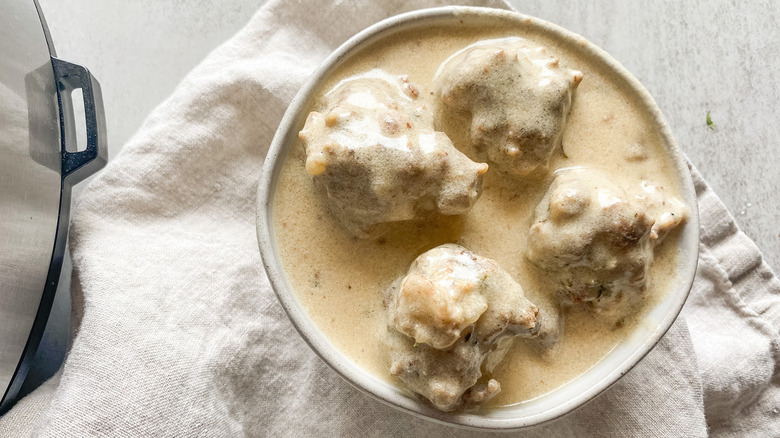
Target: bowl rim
x=363, y=380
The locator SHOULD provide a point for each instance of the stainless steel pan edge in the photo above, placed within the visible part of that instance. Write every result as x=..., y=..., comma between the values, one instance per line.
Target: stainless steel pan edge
x=75, y=167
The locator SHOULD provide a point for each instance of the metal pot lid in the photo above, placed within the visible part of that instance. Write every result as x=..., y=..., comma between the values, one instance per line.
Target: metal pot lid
x=36, y=173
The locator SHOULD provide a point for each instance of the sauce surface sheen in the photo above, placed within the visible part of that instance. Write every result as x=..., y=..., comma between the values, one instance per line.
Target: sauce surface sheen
x=340, y=279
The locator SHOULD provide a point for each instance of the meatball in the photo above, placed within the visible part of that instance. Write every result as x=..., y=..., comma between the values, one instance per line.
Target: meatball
x=668, y=211
x=376, y=158
x=447, y=378
x=598, y=241
x=518, y=96
x=453, y=315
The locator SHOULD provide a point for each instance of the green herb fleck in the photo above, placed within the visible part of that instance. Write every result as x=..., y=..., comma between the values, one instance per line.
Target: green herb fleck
x=710, y=123
x=563, y=151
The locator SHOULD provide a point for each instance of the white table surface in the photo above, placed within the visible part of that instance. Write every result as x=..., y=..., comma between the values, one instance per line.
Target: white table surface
x=695, y=56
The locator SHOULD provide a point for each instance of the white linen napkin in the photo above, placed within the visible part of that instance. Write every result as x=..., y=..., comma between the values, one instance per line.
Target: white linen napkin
x=179, y=333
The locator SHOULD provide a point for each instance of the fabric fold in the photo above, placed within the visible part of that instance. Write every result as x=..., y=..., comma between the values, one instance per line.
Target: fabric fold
x=733, y=314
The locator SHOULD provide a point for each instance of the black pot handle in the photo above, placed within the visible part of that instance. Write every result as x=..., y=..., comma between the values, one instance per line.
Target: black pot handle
x=77, y=166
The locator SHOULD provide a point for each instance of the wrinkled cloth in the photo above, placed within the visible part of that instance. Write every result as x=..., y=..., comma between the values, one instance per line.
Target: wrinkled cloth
x=178, y=332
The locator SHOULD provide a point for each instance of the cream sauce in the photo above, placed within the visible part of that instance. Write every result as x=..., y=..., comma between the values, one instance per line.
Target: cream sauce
x=340, y=279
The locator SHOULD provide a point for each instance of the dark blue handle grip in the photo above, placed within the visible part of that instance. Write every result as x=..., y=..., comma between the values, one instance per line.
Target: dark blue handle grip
x=77, y=166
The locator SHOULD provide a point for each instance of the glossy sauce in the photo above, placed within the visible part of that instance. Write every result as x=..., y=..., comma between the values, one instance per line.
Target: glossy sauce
x=340, y=279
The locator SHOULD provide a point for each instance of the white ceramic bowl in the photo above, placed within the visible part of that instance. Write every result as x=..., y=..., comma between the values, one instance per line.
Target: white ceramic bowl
x=550, y=406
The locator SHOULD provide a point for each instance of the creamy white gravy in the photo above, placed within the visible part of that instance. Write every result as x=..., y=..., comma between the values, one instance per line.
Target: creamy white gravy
x=339, y=279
